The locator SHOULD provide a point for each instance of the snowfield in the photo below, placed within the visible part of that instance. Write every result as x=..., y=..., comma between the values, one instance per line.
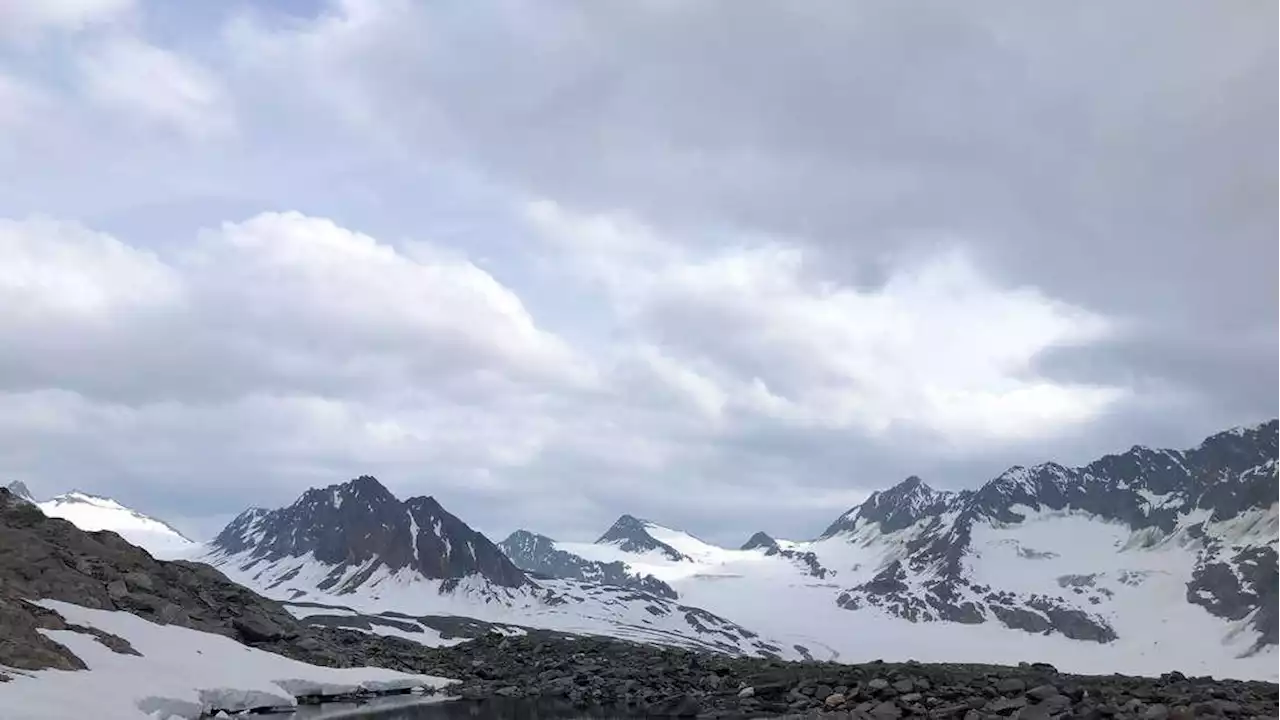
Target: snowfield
x=1159, y=631
x=180, y=671
x=563, y=605
x=92, y=513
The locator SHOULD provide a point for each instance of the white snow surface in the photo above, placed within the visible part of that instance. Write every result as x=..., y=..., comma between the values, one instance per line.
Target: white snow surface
x=179, y=668
x=426, y=634
x=590, y=608
x=1158, y=629
x=92, y=513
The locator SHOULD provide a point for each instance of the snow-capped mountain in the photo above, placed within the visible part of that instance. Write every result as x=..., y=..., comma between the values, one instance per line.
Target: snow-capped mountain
x=360, y=529
x=358, y=545
x=539, y=554
x=1144, y=561
x=20, y=491
x=631, y=534
x=1122, y=522
x=93, y=512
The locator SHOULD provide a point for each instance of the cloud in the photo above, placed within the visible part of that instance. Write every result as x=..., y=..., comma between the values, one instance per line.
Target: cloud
x=556, y=261
x=936, y=347
x=155, y=87
x=279, y=303
x=1132, y=180
x=20, y=20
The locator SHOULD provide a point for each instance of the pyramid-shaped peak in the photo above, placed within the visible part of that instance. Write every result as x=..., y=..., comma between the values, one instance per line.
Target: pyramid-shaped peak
x=631, y=534
x=368, y=484
x=19, y=488
x=912, y=485
x=761, y=540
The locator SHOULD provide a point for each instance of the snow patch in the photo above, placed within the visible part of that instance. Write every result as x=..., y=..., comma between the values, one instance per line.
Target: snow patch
x=180, y=671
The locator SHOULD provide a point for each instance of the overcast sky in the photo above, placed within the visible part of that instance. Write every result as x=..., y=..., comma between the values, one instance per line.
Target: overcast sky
x=727, y=265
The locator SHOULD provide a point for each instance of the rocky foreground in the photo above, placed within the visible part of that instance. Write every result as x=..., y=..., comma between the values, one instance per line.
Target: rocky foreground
x=624, y=679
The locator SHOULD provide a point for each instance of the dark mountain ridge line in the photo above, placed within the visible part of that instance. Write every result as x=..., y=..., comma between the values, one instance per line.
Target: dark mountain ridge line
x=630, y=534
x=361, y=523
x=1227, y=475
x=361, y=535
x=537, y=553
x=50, y=558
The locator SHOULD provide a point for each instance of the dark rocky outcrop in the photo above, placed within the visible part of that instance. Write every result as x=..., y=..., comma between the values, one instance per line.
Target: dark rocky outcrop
x=805, y=559
x=760, y=541
x=539, y=554
x=49, y=558
x=631, y=534
x=350, y=524
x=604, y=678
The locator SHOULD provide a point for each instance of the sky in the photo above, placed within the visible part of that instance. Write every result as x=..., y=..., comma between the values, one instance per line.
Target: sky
x=727, y=266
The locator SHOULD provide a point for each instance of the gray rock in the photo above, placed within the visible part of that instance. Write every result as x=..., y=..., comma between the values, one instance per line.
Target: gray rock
x=1006, y=705
x=747, y=692
x=1042, y=692
x=878, y=684
x=1008, y=686
x=887, y=710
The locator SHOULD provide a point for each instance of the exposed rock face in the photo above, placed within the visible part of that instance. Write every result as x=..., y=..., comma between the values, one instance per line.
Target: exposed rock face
x=50, y=558
x=806, y=559
x=1219, y=497
x=539, y=554
x=361, y=524
x=631, y=534
x=19, y=490
x=760, y=541
x=897, y=508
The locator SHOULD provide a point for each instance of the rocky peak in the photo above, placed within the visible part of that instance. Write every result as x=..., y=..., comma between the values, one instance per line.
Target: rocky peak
x=631, y=534
x=1160, y=495
x=526, y=543
x=539, y=554
x=361, y=523
x=760, y=540
x=897, y=508
x=444, y=546
x=19, y=491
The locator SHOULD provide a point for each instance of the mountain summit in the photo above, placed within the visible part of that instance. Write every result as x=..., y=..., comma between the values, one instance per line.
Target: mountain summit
x=360, y=530
x=20, y=491
x=540, y=554
x=357, y=544
x=631, y=534
x=94, y=512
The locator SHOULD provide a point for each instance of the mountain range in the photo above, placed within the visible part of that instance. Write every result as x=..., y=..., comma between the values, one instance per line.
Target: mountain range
x=1142, y=561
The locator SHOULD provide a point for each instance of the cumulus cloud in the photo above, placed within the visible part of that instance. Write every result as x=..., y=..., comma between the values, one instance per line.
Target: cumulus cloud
x=279, y=302
x=1125, y=179
x=937, y=347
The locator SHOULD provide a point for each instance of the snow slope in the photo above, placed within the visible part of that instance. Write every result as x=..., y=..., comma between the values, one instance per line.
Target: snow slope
x=175, y=666
x=554, y=604
x=92, y=513
x=1141, y=592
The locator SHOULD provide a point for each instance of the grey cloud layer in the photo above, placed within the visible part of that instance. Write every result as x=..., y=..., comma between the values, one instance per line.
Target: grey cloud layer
x=685, y=259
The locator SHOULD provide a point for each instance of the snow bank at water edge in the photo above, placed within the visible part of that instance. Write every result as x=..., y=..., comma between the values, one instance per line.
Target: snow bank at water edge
x=180, y=672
